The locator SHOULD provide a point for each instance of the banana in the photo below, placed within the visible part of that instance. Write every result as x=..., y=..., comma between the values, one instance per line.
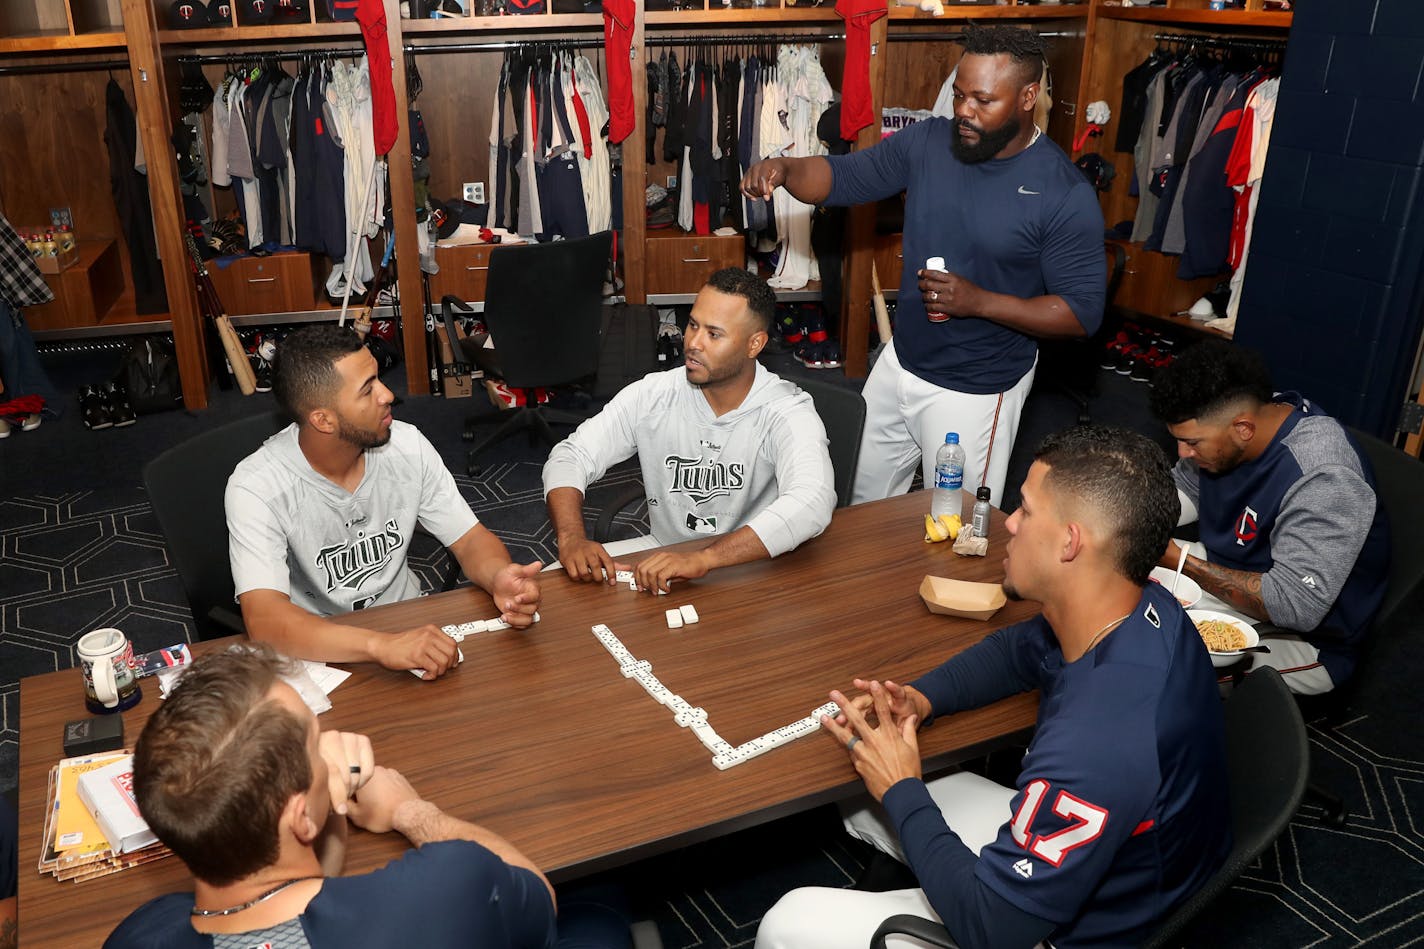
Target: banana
x=952, y=525
x=934, y=530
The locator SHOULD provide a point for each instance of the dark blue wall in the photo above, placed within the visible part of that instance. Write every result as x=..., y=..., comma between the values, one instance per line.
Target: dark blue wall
x=1332, y=294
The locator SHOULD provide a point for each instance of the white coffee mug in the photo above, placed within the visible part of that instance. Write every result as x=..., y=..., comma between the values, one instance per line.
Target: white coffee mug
x=106, y=656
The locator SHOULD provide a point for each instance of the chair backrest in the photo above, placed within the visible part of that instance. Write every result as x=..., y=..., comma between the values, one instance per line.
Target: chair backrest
x=842, y=411
x=1399, y=480
x=543, y=309
x=1268, y=763
x=185, y=488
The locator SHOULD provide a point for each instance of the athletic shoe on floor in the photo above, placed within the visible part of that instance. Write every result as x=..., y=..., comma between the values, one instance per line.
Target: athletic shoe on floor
x=4, y=428
x=91, y=406
x=116, y=397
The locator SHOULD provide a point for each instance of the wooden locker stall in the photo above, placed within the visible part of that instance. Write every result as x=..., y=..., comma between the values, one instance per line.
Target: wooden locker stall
x=1119, y=38
x=1092, y=45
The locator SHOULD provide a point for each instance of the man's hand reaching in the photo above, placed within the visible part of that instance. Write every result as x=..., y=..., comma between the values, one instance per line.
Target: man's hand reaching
x=425, y=647
x=515, y=592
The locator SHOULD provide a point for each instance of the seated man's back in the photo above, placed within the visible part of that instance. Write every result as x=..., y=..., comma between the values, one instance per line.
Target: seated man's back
x=424, y=898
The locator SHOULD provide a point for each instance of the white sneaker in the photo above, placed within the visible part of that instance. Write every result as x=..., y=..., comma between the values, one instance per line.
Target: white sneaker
x=4, y=428
x=31, y=422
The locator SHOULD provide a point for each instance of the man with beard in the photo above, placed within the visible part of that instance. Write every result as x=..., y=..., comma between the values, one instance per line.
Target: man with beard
x=320, y=517
x=727, y=449
x=1120, y=811
x=1021, y=235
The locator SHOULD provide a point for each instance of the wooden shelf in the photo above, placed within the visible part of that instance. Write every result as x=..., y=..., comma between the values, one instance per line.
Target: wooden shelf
x=237, y=35
x=1182, y=322
x=732, y=16
x=487, y=24
x=51, y=41
x=955, y=11
x=1216, y=19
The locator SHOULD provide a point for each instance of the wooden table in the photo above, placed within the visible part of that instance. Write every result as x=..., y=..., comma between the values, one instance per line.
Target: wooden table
x=538, y=736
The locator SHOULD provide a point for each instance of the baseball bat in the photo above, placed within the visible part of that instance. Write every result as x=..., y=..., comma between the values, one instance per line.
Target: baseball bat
x=432, y=343
x=882, y=315
x=208, y=299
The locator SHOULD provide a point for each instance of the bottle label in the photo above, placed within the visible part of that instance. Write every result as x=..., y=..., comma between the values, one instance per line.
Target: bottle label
x=949, y=476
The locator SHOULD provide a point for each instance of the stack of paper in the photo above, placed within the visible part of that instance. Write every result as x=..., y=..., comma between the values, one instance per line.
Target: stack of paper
x=75, y=847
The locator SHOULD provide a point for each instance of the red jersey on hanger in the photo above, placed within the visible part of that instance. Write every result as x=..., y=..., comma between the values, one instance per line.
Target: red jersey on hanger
x=618, y=18
x=856, y=111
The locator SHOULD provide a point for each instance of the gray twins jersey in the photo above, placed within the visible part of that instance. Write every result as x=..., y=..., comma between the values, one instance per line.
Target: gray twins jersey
x=293, y=531
x=762, y=465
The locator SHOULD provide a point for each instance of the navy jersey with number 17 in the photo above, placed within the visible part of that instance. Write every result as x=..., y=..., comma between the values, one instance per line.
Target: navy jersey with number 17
x=1121, y=811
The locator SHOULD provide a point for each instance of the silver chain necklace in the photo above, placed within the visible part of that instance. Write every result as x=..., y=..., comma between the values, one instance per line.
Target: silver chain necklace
x=1101, y=633
x=253, y=902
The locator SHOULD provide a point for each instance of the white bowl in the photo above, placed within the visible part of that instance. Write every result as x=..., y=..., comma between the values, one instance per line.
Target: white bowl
x=1189, y=592
x=1220, y=659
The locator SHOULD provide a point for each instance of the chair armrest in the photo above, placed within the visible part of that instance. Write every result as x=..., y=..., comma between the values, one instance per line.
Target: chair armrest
x=925, y=930
x=447, y=303
x=603, y=527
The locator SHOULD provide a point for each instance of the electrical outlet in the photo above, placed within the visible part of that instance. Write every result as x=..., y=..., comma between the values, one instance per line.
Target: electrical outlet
x=61, y=217
x=672, y=182
x=475, y=192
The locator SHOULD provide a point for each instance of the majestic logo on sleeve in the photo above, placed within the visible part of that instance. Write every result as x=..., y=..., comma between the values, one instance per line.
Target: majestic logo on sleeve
x=350, y=565
x=1246, y=527
x=702, y=481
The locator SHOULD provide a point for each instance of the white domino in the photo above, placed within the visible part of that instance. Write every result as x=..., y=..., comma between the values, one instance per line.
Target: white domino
x=459, y=631
x=830, y=708
x=633, y=668
x=674, y=619
x=690, y=716
x=709, y=737
x=689, y=615
x=623, y=576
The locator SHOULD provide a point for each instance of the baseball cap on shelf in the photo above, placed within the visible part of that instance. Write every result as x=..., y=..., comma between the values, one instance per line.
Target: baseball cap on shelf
x=251, y=12
x=445, y=8
x=291, y=10
x=219, y=12
x=186, y=15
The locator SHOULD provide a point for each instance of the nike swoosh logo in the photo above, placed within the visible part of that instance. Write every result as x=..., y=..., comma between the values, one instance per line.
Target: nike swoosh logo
x=1023, y=190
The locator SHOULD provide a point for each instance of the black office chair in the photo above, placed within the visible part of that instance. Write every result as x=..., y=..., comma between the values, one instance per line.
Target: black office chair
x=543, y=311
x=1268, y=761
x=1069, y=367
x=185, y=488
x=842, y=412
x=1399, y=480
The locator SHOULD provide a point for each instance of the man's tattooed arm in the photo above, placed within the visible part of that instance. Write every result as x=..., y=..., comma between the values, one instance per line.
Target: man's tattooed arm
x=1240, y=588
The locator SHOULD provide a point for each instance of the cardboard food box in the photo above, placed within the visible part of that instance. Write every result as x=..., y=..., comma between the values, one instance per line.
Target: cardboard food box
x=961, y=597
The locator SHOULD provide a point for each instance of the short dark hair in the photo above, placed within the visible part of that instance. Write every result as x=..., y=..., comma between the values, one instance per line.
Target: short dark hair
x=304, y=373
x=1206, y=378
x=1025, y=47
x=761, y=299
x=217, y=763
x=1125, y=480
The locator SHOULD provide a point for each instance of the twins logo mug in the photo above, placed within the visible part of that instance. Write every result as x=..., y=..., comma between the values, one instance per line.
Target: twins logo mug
x=110, y=683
